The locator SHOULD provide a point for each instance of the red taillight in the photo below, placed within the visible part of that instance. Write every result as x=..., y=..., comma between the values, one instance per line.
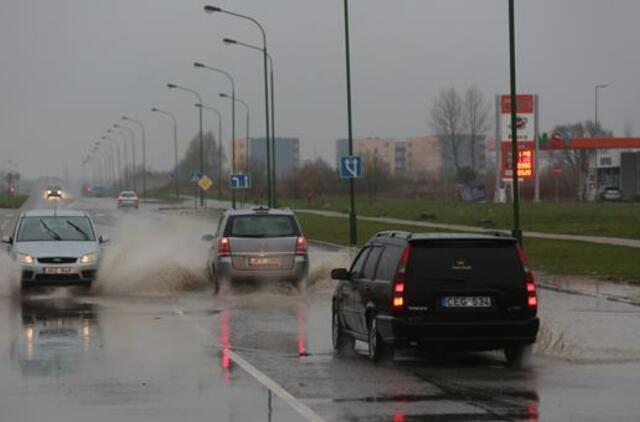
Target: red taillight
x=301, y=245
x=532, y=297
x=224, y=248
x=119, y=199
x=398, y=281
x=135, y=199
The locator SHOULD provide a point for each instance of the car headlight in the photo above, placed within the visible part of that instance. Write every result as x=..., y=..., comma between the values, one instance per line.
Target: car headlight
x=24, y=258
x=48, y=192
x=89, y=258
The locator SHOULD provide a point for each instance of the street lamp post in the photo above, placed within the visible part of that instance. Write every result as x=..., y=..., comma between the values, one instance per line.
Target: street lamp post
x=213, y=9
x=353, y=236
x=123, y=136
x=219, y=115
x=174, y=86
x=132, y=136
x=246, y=107
x=198, y=65
x=144, y=153
x=115, y=142
x=517, y=232
x=274, y=176
x=175, y=147
x=597, y=134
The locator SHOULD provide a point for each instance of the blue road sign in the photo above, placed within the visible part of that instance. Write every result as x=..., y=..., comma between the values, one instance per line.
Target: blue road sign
x=351, y=166
x=195, y=176
x=239, y=181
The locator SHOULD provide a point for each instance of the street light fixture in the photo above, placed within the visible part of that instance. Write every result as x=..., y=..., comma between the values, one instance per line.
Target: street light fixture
x=132, y=137
x=219, y=115
x=144, y=152
x=214, y=9
x=115, y=142
x=246, y=107
x=198, y=65
x=174, y=86
x=123, y=136
x=175, y=146
x=274, y=173
x=353, y=234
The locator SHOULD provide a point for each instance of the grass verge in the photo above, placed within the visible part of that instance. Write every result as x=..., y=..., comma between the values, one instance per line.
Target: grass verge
x=12, y=201
x=580, y=218
x=613, y=263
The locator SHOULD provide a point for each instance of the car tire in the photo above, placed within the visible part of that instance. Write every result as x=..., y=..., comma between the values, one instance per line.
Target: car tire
x=517, y=356
x=377, y=349
x=214, y=280
x=342, y=342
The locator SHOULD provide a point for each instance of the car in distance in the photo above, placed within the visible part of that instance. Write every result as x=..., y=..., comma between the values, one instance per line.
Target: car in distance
x=55, y=247
x=258, y=244
x=436, y=291
x=611, y=193
x=54, y=192
x=128, y=199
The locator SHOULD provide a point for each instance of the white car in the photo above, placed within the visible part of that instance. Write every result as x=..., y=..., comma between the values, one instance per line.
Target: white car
x=128, y=199
x=56, y=247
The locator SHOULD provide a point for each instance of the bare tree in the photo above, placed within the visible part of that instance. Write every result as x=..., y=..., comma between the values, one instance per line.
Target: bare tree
x=476, y=118
x=447, y=120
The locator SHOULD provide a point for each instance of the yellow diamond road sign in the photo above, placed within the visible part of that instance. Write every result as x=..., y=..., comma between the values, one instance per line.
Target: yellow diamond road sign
x=205, y=183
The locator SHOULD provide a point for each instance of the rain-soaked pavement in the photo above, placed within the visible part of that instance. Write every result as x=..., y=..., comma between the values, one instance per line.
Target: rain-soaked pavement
x=151, y=342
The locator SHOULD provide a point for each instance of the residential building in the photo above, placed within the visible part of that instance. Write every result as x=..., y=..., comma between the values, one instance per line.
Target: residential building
x=287, y=154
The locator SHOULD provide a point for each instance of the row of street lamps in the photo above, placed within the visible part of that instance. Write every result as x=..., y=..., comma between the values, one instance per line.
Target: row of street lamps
x=104, y=156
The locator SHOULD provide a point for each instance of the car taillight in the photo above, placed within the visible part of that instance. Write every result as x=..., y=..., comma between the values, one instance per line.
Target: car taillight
x=301, y=245
x=135, y=199
x=397, y=301
x=119, y=199
x=530, y=283
x=224, y=248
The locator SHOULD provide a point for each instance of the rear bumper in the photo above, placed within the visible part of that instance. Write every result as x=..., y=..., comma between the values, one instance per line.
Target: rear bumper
x=300, y=269
x=475, y=335
x=128, y=205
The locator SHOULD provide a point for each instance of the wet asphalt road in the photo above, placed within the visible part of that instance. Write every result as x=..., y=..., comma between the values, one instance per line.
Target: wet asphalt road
x=161, y=347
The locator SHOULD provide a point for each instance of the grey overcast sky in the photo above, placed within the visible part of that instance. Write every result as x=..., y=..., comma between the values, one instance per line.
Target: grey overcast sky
x=70, y=68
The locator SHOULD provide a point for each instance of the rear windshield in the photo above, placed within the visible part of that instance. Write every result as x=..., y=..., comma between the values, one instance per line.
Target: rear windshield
x=45, y=229
x=262, y=226
x=491, y=261
x=128, y=194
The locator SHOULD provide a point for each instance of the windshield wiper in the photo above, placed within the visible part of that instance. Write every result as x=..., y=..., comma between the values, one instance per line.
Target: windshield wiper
x=50, y=231
x=78, y=229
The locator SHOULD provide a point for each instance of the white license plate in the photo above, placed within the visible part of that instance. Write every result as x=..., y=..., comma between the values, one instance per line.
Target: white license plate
x=264, y=262
x=466, y=302
x=57, y=270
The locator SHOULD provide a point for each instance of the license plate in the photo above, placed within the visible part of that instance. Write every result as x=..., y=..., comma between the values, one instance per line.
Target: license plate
x=57, y=270
x=466, y=302
x=264, y=262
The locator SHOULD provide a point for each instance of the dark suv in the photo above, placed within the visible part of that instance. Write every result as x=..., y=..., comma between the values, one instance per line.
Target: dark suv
x=461, y=290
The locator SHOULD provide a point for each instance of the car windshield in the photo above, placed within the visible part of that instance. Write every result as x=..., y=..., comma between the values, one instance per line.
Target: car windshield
x=128, y=195
x=59, y=228
x=263, y=226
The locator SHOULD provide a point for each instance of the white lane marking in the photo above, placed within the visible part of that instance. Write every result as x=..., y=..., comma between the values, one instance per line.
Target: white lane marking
x=261, y=377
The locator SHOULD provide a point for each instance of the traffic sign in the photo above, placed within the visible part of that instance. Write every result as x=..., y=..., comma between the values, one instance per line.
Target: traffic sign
x=195, y=176
x=351, y=166
x=205, y=183
x=557, y=170
x=239, y=181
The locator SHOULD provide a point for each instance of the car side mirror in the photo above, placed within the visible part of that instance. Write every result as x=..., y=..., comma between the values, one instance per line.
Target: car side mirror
x=340, y=274
x=7, y=239
x=207, y=238
x=103, y=239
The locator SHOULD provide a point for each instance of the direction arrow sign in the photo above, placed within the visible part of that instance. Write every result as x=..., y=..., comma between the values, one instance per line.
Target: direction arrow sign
x=205, y=183
x=351, y=166
x=239, y=181
x=195, y=176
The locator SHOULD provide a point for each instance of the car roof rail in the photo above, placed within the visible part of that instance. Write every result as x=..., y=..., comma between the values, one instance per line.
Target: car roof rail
x=394, y=233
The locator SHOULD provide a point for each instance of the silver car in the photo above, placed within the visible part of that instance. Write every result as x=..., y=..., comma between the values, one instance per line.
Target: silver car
x=258, y=244
x=127, y=199
x=55, y=247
